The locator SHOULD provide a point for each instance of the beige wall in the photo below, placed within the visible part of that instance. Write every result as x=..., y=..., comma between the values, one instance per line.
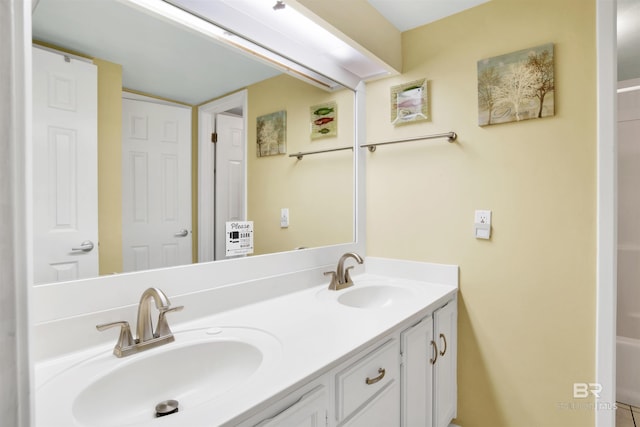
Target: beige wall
x=371, y=30
x=109, y=166
x=318, y=190
x=527, y=306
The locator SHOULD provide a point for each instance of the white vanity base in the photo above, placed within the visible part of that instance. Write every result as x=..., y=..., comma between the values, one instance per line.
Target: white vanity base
x=323, y=340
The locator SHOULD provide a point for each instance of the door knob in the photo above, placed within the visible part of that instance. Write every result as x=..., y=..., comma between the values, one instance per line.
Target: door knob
x=86, y=246
x=181, y=233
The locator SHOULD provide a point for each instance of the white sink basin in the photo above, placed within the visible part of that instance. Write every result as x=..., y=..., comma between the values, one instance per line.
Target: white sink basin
x=376, y=296
x=201, y=365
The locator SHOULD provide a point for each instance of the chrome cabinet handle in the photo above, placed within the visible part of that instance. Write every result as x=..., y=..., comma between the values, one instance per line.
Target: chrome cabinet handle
x=86, y=246
x=370, y=381
x=181, y=233
x=435, y=352
x=442, y=352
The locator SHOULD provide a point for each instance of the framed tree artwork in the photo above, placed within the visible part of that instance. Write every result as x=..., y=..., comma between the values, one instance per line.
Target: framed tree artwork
x=271, y=132
x=516, y=86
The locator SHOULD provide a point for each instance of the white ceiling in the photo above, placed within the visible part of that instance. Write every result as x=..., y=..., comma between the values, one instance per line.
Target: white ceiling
x=408, y=14
x=158, y=57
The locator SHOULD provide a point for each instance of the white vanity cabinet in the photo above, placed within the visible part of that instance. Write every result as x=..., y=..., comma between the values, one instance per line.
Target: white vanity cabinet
x=407, y=379
x=307, y=407
x=428, y=374
x=368, y=388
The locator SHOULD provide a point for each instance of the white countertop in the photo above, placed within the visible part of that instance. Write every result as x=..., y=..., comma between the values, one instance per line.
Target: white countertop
x=315, y=333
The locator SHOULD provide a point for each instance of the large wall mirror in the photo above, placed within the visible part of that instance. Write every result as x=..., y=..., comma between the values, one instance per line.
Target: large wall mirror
x=125, y=104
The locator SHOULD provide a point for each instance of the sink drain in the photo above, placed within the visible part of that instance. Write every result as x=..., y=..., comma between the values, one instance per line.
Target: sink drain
x=166, y=407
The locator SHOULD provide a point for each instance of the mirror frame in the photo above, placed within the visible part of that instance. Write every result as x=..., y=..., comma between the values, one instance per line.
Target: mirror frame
x=102, y=293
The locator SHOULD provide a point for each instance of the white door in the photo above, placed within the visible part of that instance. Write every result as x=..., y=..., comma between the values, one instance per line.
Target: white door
x=156, y=185
x=221, y=172
x=65, y=165
x=230, y=178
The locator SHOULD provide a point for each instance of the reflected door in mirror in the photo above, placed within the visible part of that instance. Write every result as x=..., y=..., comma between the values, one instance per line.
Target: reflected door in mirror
x=156, y=185
x=65, y=178
x=230, y=178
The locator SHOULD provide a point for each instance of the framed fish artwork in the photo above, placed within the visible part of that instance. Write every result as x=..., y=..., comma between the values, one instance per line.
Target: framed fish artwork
x=409, y=102
x=324, y=120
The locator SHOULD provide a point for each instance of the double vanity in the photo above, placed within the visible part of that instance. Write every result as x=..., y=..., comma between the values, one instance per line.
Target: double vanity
x=280, y=338
x=381, y=352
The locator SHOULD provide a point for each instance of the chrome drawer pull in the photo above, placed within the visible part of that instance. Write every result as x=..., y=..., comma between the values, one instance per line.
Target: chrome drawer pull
x=370, y=381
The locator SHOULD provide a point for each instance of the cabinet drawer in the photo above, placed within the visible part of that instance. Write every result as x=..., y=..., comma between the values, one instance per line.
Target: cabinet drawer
x=366, y=377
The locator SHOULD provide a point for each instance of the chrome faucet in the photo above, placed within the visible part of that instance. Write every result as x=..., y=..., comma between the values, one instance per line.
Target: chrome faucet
x=340, y=278
x=146, y=337
x=145, y=325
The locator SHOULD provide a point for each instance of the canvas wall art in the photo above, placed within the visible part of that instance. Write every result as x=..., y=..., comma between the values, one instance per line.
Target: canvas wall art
x=409, y=102
x=272, y=134
x=324, y=120
x=516, y=86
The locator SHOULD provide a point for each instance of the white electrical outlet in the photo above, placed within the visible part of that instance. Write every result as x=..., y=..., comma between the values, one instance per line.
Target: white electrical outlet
x=284, y=217
x=482, y=224
x=483, y=217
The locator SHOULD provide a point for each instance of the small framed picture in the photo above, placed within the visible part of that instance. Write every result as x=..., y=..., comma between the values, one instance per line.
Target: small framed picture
x=409, y=102
x=271, y=134
x=324, y=120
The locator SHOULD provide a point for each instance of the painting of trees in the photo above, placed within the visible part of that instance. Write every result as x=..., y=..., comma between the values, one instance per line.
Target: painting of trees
x=271, y=132
x=516, y=86
x=541, y=66
x=488, y=82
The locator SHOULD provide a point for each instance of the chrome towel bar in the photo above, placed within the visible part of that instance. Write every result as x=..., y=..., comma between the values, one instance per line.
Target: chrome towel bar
x=451, y=136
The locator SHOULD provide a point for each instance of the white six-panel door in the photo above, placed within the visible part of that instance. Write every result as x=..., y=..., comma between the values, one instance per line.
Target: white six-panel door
x=230, y=178
x=156, y=185
x=222, y=171
x=65, y=178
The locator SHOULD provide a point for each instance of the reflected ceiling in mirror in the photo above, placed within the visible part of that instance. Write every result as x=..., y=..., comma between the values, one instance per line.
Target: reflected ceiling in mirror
x=159, y=57
x=184, y=69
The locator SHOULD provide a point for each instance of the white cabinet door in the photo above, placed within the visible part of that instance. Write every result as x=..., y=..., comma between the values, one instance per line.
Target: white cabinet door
x=417, y=375
x=444, y=375
x=382, y=411
x=429, y=388
x=309, y=411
